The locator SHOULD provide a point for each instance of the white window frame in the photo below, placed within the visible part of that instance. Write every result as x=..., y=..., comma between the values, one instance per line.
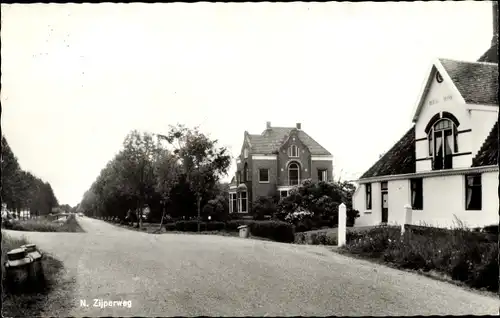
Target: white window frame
x=292, y=153
x=431, y=138
x=232, y=199
x=240, y=205
x=268, y=178
x=298, y=173
x=324, y=175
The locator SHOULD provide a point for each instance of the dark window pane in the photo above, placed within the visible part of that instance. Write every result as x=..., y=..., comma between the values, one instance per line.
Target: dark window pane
x=264, y=175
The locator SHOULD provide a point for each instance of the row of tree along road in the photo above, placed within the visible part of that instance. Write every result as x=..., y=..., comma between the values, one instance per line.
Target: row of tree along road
x=177, y=175
x=21, y=190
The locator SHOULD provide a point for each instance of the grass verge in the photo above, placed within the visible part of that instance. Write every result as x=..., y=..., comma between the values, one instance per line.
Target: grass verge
x=457, y=254
x=45, y=225
x=33, y=304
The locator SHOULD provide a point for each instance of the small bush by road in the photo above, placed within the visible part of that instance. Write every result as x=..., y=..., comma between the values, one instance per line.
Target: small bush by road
x=32, y=304
x=459, y=254
x=45, y=225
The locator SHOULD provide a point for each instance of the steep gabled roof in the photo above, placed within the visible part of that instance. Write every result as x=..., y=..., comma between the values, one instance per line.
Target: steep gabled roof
x=400, y=159
x=488, y=154
x=491, y=55
x=271, y=140
x=477, y=82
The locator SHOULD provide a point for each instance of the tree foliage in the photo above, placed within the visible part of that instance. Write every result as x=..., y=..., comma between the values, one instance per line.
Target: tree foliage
x=319, y=202
x=174, y=176
x=21, y=189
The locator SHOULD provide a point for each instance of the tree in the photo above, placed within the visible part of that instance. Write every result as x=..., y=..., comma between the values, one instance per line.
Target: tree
x=322, y=199
x=202, y=162
x=167, y=171
x=263, y=206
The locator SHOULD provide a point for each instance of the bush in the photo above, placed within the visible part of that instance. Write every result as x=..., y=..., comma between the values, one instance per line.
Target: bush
x=262, y=207
x=463, y=255
x=275, y=230
x=170, y=227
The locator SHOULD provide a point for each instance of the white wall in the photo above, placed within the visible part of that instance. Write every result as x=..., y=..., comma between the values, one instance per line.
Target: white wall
x=399, y=196
x=482, y=123
x=368, y=217
x=443, y=197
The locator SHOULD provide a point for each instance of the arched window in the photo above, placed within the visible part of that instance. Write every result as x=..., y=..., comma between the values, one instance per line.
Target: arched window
x=442, y=138
x=293, y=151
x=293, y=174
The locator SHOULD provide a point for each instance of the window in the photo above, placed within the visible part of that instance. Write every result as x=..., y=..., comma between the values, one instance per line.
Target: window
x=238, y=177
x=368, y=192
x=264, y=175
x=322, y=175
x=245, y=153
x=293, y=151
x=233, y=203
x=293, y=174
x=383, y=186
x=283, y=194
x=243, y=202
x=473, y=192
x=417, y=195
x=442, y=139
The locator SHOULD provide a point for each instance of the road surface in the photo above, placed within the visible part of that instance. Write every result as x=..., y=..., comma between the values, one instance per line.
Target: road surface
x=202, y=275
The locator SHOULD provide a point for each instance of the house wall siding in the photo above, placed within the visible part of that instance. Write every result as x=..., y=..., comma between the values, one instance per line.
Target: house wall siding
x=304, y=160
x=368, y=217
x=444, y=197
x=321, y=165
x=264, y=189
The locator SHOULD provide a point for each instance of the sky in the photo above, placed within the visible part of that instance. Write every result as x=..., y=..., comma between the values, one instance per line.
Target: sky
x=76, y=78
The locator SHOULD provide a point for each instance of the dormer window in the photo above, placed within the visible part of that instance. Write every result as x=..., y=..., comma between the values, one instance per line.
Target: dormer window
x=293, y=151
x=442, y=144
x=245, y=153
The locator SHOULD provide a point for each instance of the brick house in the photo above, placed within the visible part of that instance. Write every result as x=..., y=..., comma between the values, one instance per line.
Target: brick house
x=446, y=164
x=272, y=163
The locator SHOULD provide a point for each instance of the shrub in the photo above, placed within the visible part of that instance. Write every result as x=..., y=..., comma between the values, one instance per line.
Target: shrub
x=275, y=230
x=170, y=226
x=215, y=226
x=262, y=207
x=373, y=242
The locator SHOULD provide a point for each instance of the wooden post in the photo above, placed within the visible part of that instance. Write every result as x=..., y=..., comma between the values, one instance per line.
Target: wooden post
x=341, y=226
x=408, y=215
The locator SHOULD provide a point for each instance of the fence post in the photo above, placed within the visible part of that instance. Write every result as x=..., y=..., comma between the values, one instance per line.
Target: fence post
x=408, y=214
x=341, y=226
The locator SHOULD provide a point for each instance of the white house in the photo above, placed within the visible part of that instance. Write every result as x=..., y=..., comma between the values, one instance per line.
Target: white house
x=446, y=164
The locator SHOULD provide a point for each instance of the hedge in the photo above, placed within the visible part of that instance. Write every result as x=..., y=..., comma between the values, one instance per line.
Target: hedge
x=275, y=230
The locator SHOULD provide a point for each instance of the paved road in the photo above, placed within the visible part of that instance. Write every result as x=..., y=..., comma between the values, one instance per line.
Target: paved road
x=194, y=275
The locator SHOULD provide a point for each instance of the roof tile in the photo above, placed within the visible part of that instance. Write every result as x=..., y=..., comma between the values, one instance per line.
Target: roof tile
x=400, y=159
x=271, y=140
x=477, y=82
x=488, y=154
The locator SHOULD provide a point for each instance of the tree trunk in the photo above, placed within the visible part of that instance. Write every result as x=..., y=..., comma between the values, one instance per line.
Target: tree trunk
x=199, y=210
x=162, y=216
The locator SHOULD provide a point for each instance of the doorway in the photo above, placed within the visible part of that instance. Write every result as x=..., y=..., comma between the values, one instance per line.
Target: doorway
x=385, y=201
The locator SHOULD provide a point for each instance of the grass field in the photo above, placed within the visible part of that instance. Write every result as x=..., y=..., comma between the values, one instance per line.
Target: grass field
x=32, y=304
x=43, y=224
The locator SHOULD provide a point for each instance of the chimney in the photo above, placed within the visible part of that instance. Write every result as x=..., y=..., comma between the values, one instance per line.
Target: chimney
x=268, y=125
x=298, y=126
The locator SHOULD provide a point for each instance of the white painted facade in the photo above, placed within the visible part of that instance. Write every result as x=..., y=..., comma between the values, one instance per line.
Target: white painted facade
x=444, y=191
x=443, y=199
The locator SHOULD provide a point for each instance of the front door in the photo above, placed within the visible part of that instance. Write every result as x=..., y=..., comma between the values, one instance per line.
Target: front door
x=385, y=207
x=385, y=202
